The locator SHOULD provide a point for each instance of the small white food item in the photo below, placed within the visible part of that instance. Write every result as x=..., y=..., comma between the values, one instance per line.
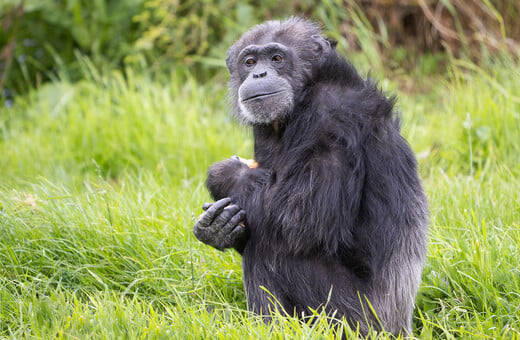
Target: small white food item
x=251, y=163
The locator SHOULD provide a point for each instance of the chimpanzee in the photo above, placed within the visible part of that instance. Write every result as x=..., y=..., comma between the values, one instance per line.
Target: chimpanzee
x=333, y=216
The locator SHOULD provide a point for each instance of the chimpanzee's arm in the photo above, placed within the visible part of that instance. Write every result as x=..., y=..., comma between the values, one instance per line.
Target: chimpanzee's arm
x=233, y=178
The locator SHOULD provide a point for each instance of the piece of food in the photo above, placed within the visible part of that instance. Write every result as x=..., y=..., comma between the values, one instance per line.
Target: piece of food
x=251, y=163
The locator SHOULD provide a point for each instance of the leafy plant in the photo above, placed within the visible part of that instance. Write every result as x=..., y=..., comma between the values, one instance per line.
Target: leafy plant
x=42, y=36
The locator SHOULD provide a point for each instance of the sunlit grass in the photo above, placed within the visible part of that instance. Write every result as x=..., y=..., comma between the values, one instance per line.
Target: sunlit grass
x=101, y=180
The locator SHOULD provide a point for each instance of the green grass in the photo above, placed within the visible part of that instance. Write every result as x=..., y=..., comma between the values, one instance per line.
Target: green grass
x=101, y=180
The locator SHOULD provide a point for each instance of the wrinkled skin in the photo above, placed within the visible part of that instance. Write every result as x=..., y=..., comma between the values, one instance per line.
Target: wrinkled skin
x=221, y=225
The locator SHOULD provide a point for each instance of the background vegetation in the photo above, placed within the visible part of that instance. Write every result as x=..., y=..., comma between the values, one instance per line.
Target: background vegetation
x=111, y=112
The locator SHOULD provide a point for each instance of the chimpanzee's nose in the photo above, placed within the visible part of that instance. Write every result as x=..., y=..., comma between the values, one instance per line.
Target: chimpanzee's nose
x=260, y=74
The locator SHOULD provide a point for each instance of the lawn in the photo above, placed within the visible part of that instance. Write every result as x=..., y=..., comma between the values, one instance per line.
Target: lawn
x=100, y=181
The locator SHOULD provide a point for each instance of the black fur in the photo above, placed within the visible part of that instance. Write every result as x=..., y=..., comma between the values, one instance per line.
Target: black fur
x=336, y=206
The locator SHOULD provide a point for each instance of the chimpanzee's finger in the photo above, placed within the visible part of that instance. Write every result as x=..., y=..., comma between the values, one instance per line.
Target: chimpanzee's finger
x=238, y=218
x=224, y=217
x=206, y=205
x=213, y=211
x=238, y=232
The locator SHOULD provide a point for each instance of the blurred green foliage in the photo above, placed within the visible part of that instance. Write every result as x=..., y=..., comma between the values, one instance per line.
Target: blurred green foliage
x=177, y=31
x=37, y=37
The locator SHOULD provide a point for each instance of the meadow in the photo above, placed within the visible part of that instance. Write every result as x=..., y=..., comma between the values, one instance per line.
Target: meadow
x=101, y=179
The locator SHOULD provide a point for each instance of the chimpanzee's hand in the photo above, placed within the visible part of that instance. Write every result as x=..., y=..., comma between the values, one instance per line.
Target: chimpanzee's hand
x=221, y=225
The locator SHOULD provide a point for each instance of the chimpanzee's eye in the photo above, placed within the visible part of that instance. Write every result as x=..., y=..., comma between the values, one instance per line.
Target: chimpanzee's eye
x=250, y=61
x=277, y=58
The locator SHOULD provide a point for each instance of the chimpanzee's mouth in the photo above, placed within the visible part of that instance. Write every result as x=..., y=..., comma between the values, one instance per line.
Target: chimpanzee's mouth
x=262, y=95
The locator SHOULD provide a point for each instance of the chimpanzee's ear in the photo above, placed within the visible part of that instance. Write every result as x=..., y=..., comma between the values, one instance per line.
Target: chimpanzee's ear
x=322, y=47
x=228, y=63
x=230, y=60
